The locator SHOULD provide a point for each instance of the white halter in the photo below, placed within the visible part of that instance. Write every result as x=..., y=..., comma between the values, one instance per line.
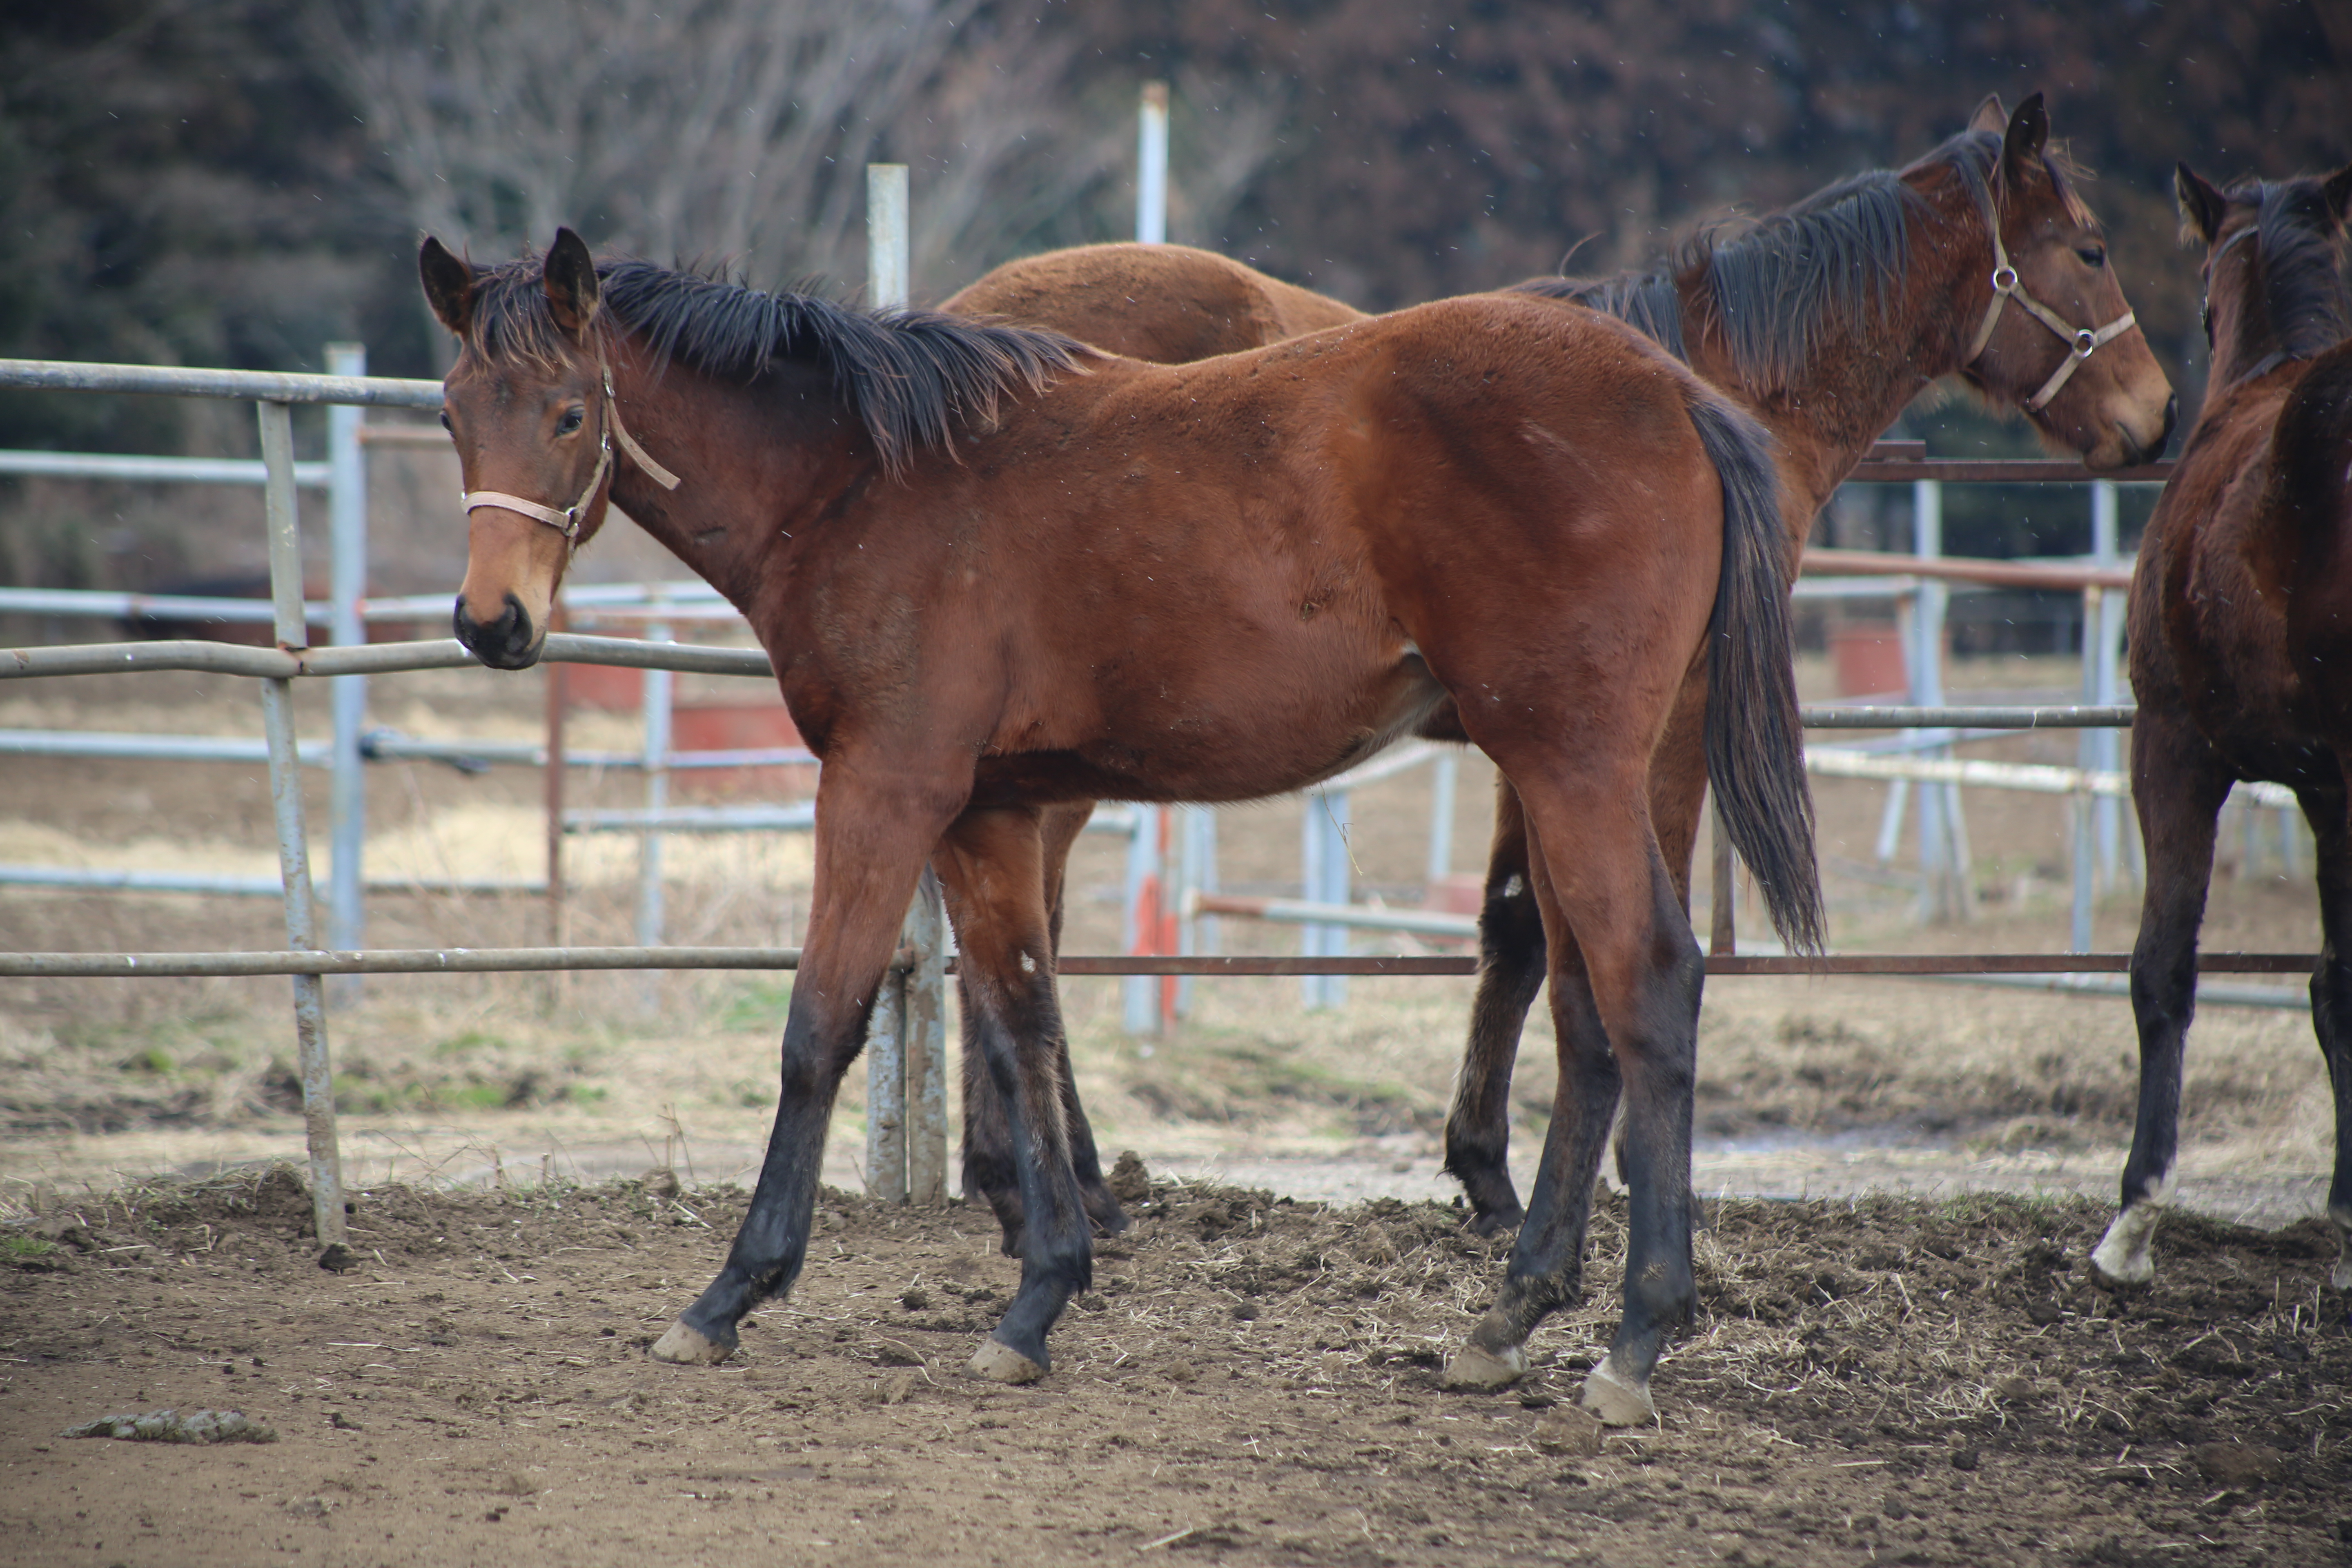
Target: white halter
x=2006, y=286
x=567, y=521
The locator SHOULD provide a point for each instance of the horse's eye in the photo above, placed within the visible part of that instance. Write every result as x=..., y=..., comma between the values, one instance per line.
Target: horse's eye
x=2092, y=255
x=444, y=423
x=570, y=421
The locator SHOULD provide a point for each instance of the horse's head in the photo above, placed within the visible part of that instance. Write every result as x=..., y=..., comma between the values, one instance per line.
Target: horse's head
x=2273, y=287
x=2053, y=335
x=530, y=405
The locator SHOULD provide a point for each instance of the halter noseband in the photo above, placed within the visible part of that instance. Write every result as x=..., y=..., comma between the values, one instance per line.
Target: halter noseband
x=2008, y=285
x=567, y=522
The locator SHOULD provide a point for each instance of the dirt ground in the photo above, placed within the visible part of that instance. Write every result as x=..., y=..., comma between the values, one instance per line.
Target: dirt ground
x=1251, y=1381
x=1899, y=1362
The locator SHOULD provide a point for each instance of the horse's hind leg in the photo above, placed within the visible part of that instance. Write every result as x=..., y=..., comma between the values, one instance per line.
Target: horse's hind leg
x=987, y=1165
x=1510, y=971
x=2331, y=997
x=989, y=867
x=1625, y=977
x=1547, y=1265
x=2178, y=786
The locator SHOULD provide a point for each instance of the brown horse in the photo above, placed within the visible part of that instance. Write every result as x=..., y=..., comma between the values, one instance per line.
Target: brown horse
x=2241, y=644
x=1825, y=320
x=990, y=585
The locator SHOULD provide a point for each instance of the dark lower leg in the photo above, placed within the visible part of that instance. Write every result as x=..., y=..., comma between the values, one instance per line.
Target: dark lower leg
x=988, y=1169
x=2178, y=792
x=1510, y=971
x=2331, y=999
x=1547, y=1263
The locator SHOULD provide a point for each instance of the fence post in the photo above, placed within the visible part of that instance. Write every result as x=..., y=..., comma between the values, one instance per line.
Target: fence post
x=1323, y=855
x=2103, y=659
x=1445, y=777
x=1140, y=924
x=885, y=1089
x=925, y=1012
x=1195, y=933
x=890, y=283
x=293, y=841
x=1152, y=166
x=1945, y=889
x=658, y=687
x=347, y=585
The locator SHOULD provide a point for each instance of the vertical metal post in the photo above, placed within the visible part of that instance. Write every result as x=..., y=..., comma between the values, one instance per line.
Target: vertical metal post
x=885, y=1089
x=559, y=701
x=1323, y=854
x=293, y=841
x=658, y=687
x=1140, y=924
x=1444, y=779
x=1945, y=893
x=925, y=1012
x=347, y=585
x=1152, y=166
x=2103, y=659
x=1198, y=860
x=890, y=283
x=2080, y=820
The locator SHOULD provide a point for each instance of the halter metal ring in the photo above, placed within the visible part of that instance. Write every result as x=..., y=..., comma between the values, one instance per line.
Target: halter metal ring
x=2004, y=278
x=2086, y=341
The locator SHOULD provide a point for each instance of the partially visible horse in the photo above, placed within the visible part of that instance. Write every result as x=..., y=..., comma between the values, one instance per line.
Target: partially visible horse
x=2241, y=632
x=996, y=572
x=1825, y=320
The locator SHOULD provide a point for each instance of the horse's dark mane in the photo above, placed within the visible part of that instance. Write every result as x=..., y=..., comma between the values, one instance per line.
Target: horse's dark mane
x=911, y=376
x=2303, y=279
x=1829, y=259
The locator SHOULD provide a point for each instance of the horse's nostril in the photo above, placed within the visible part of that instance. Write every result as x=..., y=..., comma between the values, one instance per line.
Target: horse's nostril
x=504, y=643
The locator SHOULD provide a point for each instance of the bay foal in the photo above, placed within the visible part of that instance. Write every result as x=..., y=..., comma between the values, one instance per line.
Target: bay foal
x=1825, y=320
x=996, y=572
x=2240, y=629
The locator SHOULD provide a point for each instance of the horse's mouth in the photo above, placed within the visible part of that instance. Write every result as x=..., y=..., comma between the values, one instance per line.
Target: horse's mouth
x=509, y=642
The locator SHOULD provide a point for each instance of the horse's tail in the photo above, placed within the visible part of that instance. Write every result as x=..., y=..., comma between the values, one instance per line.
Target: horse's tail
x=2313, y=446
x=1755, y=742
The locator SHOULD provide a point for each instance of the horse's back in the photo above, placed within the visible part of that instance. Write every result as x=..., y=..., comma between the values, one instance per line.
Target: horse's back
x=1167, y=303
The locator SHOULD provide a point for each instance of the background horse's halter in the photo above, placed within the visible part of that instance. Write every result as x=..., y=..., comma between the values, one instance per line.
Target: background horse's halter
x=2006, y=286
x=567, y=522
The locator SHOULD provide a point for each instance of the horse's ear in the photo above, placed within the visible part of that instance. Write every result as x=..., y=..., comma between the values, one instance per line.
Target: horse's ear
x=570, y=279
x=2201, y=207
x=2338, y=189
x=448, y=284
x=1989, y=115
x=2027, y=134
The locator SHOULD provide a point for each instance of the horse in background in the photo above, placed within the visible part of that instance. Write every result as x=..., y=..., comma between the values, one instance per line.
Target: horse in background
x=2241, y=635
x=1825, y=320
x=990, y=585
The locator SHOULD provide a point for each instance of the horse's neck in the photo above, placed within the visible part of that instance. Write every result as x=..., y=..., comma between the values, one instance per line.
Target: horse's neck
x=1852, y=384
x=754, y=465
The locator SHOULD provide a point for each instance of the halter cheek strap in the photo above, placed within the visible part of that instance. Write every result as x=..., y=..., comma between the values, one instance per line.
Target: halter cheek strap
x=567, y=522
x=2008, y=285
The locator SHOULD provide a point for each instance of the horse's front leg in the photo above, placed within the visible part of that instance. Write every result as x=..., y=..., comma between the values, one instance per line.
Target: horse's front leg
x=870, y=844
x=988, y=1163
x=2178, y=786
x=990, y=865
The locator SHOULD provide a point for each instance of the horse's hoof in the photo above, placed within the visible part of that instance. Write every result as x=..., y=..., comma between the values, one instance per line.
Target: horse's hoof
x=2123, y=1260
x=1000, y=1363
x=689, y=1348
x=1495, y=1222
x=1477, y=1368
x=2341, y=1275
x=1617, y=1401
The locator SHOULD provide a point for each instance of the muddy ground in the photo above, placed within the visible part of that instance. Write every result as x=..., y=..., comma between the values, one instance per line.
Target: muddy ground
x=1251, y=1381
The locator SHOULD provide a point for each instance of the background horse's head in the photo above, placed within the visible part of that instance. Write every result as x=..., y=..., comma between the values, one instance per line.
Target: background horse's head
x=528, y=404
x=2056, y=337
x=2274, y=287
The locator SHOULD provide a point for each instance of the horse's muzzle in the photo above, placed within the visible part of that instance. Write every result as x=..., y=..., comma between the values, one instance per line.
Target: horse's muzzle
x=507, y=643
